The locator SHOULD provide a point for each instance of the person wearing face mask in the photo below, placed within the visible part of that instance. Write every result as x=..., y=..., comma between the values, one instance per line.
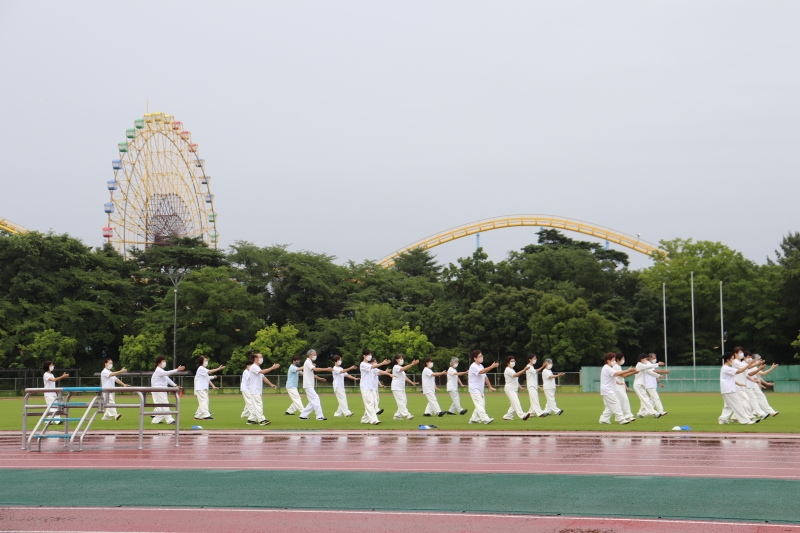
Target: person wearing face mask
x=732, y=400
x=367, y=367
x=477, y=379
x=429, y=389
x=646, y=407
x=622, y=390
x=511, y=388
x=608, y=390
x=50, y=383
x=751, y=385
x=291, y=387
x=741, y=382
x=651, y=383
x=763, y=384
x=309, y=381
x=202, y=380
x=256, y=383
x=399, y=381
x=161, y=379
x=339, y=375
x=453, y=382
x=244, y=388
x=549, y=385
x=109, y=380
x=532, y=383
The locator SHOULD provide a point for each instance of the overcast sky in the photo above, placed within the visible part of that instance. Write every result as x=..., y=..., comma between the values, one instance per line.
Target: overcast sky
x=355, y=128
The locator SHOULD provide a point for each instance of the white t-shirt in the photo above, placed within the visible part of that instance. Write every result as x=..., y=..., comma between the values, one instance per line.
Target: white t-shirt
x=201, y=378
x=254, y=383
x=608, y=383
x=245, y=387
x=338, y=377
x=476, y=379
x=366, y=376
x=428, y=381
x=548, y=383
x=47, y=383
x=512, y=381
x=619, y=381
x=727, y=380
x=650, y=380
x=532, y=378
x=107, y=381
x=642, y=368
x=308, y=374
x=751, y=384
x=161, y=378
x=452, y=379
x=740, y=378
x=375, y=379
x=398, y=378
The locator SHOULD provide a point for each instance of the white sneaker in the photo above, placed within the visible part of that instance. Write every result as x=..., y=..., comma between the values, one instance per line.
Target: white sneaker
x=609, y=423
x=489, y=421
x=722, y=422
x=410, y=417
x=624, y=422
x=504, y=418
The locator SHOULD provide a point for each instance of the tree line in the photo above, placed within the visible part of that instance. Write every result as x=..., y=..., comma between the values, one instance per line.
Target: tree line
x=562, y=298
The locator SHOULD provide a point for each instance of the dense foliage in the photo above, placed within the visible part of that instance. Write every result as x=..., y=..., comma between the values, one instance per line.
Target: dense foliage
x=563, y=298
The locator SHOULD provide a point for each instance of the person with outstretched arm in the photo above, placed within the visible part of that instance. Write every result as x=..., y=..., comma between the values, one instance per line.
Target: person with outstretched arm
x=511, y=388
x=477, y=379
x=399, y=380
x=453, y=382
x=161, y=379
x=608, y=390
x=549, y=385
x=109, y=380
x=730, y=390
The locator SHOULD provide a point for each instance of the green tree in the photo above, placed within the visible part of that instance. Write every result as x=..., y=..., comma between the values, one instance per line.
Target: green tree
x=500, y=321
x=410, y=342
x=278, y=344
x=47, y=345
x=139, y=352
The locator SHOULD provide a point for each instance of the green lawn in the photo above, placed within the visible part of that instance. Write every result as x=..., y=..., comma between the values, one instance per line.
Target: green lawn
x=581, y=413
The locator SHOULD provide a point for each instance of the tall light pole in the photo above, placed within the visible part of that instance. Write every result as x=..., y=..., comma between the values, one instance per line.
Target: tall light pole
x=664, y=299
x=694, y=343
x=176, y=275
x=721, y=319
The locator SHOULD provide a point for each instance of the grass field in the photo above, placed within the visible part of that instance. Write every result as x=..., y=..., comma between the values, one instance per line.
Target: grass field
x=581, y=413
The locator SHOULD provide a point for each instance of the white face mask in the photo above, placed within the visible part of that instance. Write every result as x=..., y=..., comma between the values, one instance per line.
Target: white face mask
x=110, y=366
x=259, y=360
x=313, y=357
x=430, y=365
x=479, y=360
x=52, y=368
x=369, y=358
x=740, y=355
x=163, y=364
x=400, y=362
x=549, y=366
x=533, y=362
x=339, y=363
x=622, y=362
x=205, y=363
x=454, y=365
x=512, y=364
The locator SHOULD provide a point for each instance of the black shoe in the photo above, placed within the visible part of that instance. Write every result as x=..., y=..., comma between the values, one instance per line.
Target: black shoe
x=561, y=412
x=209, y=418
x=526, y=416
x=288, y=413
x=463, y=412
x=323, y=418
x=426, y=414
x=251, y=423
x=380, y=412
x=441, y=414
x=264, y=423
x=301, y=418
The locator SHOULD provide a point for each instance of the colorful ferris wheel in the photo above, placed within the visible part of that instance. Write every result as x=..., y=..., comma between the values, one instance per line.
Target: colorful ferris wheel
x=160, y=188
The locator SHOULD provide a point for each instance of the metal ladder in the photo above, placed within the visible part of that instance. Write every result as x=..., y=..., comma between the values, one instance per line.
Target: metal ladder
x=60, y=406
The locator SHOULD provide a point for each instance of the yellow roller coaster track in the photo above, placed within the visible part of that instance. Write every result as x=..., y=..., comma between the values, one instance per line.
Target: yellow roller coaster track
x=515, y=221
x=7, y=225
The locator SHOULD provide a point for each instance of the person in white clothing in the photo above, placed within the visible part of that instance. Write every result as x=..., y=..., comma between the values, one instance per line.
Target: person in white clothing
x=429, y=388
x=255, y=384
x=532, y=384
x=376, y=386
x=750, y=386
x=367, y=390
x=549, y=385
x=476, y=380
x=309, y=380
x=339, y=375
x=511, y=389
x=399, y=381
x=160, y=379
x=622, y=389
x=453, y=382
x=292, y=386
x=651, y=384
x=731, y=398
x=741, y=381
x=608, y=390
x=109, y=380
x=50, y=383
x=244, y=388
x=202, y=381
x=763, y=384
x=646, y=407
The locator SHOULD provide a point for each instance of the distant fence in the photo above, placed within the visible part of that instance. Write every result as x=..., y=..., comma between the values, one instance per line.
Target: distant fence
x=706, y=379
x=14, y=382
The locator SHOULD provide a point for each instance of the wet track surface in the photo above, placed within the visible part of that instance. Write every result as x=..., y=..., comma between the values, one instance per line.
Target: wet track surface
x=647, y=454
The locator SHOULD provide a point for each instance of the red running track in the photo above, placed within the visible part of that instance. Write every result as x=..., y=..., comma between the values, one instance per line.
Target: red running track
x=132, y=519
x=640, y=454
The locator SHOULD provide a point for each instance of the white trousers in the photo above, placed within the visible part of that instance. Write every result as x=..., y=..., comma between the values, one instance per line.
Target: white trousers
x=343, y=409
x=646, y=408
x=312, y=405
x=376, y=400
x=624, y=404
x=533, y=395
x=455, y=405
x=161, y=397
x=734, y=406
x=762, y=401
x=479, y=413
x=551, y=406
x=754, y=405
x=611, y=402
x=515, y=408
x=746, y=402
x=256, y=408
x=202, y=404
x=655, y=401
x=433, y=404
x=369, y=407
x=50, y=397
x=297, y=402
x=111, y=413
x=248, y=404
x=402, y=404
